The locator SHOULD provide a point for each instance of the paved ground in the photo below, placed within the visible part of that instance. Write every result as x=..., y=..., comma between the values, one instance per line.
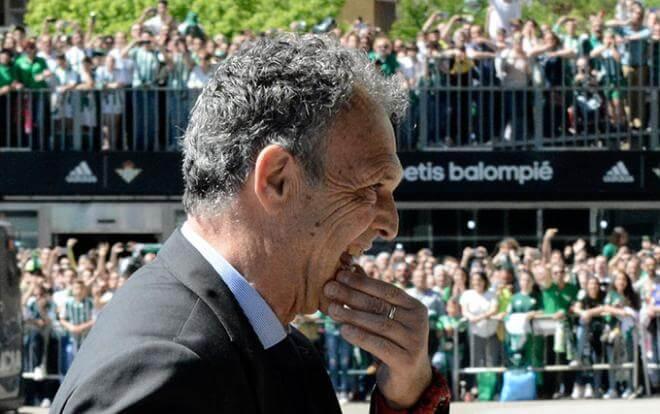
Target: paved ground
x=641, y=406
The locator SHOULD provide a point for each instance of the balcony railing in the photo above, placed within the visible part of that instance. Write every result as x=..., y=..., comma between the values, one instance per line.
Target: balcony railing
x=440, y=117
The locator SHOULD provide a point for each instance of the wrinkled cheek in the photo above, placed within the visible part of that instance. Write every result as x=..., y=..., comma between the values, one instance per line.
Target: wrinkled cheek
x=354, y=219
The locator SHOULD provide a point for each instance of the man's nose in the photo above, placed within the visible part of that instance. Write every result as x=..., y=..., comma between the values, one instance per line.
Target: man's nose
x=387, y=218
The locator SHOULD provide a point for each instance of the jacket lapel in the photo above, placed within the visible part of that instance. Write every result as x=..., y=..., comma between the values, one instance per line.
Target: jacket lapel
x=200, y=277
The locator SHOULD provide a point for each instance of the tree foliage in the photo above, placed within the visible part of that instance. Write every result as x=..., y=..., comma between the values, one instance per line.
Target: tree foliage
x=216, y=16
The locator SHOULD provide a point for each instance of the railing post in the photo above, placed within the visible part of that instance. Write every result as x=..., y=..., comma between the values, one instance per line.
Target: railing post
x=538, y=118
x=457, y=365
x=655, y=142
x=635, y=356
x=423, y=138
x=77, y=126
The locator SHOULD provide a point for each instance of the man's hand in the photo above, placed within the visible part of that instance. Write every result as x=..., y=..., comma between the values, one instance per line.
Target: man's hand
x=400, y=343
x=70, y=243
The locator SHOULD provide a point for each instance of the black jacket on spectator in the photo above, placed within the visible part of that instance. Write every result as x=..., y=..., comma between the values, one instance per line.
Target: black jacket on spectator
x=174, y=340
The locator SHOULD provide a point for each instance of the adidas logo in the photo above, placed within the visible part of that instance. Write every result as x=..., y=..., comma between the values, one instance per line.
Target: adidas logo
x=618, y=174
x=656, y=171
x=82, y=174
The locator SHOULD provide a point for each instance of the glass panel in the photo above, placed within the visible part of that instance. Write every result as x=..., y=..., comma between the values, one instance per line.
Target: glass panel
x=637, y=223
x=15, y=18
x=572, y=224
x=17, y=4
x=25, y=225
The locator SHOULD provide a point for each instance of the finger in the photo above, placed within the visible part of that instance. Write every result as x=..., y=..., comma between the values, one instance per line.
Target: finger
x=377, y=288
x=355, y=299
x=382, y=348
x=376, y=324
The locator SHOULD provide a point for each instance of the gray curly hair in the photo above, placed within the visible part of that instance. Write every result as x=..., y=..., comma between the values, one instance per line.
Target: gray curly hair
x=285, y=90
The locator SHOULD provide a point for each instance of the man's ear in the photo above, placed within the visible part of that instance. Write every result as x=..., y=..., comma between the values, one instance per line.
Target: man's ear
x=276, y=177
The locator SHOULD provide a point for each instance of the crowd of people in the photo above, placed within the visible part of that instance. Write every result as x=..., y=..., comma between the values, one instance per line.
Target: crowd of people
x=589, y=306
x=522, y=307
x=474, y=81
x=62, y=293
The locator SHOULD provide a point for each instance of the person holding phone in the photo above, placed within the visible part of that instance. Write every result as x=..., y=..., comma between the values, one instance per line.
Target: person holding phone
x=155, y=18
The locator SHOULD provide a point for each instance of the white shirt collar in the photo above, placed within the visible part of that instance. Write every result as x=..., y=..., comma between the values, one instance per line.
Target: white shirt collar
x=260, y=315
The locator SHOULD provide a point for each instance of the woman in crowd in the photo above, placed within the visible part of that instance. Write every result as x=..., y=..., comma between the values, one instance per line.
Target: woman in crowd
x=108, y=80
x=514, y=70
x=447, y=327
x=524, y=306
x=479, y=305
x=460, y=280
x=553, y=60
x=86, y=99
x=589, y=347
x=620, y=310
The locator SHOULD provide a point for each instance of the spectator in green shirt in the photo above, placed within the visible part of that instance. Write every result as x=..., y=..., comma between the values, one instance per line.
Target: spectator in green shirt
x=8, y=103
x=8, y=79
x=618, y=238
x=383, y=57
x=558, y=297
x=566, y=29
x=520, y=347
x=31, y=70
x=446, y=326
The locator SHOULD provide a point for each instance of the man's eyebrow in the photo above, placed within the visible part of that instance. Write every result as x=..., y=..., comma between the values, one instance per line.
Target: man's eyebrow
x=394, y=173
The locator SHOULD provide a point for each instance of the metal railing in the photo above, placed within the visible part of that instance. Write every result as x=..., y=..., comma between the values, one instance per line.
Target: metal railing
x=447, y=111
x=473, y=104
x=641, y=340
x=94, y=120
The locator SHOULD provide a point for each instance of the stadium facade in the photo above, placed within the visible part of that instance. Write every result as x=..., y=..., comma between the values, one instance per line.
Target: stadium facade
x=448, y=199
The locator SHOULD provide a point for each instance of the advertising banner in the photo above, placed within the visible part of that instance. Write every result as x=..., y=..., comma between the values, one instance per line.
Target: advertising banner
x=427, y=176
x=577, y=175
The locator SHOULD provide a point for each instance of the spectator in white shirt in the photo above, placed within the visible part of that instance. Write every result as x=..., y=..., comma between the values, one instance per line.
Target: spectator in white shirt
x=63, y=81
x=76, y=53
x=123, y=64
x=46, y=52
x=109, y=80
x=200, y=73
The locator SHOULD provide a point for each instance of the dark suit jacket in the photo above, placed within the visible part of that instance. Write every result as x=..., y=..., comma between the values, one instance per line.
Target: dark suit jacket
x=173, y=339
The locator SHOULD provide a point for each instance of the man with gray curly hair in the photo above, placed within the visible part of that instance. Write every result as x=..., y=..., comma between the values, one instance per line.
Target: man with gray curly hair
x=289, y=168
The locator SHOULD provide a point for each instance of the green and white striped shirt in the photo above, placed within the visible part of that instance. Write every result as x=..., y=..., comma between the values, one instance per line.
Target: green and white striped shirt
x=177, y=78
x=146, y=66
x=78, y=312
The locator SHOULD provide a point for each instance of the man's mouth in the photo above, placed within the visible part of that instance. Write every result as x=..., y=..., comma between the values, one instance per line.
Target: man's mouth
x=351, y=255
